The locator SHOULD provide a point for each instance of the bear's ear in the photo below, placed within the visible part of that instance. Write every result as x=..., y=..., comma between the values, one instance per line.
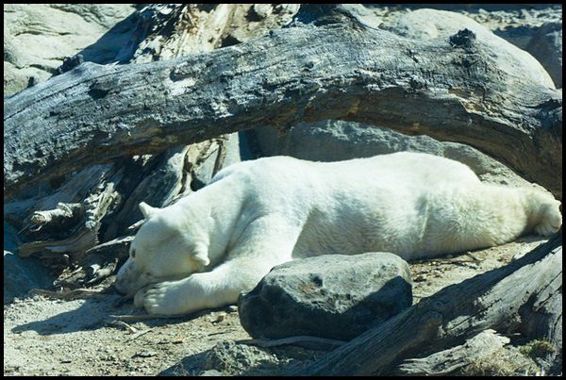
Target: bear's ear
x=147, y=210
x=201, y=255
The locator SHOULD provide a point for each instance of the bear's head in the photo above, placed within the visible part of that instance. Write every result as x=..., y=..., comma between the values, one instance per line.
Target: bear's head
x=164, y=249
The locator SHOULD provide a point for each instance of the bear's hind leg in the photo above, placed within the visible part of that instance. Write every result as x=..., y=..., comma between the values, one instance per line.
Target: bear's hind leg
x=545, y=213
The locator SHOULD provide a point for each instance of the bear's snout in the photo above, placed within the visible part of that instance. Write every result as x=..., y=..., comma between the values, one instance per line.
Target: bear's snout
x=119, y=286
x=123, y=285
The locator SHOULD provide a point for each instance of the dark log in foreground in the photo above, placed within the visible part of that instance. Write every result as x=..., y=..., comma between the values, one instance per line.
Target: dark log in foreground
x=306, y=73
x=448, y=361
x=494, y=300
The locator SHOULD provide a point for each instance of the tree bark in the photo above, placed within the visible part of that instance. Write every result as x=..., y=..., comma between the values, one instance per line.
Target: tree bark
x=449, y=361
x=335, y=70
x=494, y=300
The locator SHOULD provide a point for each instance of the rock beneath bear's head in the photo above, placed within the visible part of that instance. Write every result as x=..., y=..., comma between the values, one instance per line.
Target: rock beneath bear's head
x=332, y=296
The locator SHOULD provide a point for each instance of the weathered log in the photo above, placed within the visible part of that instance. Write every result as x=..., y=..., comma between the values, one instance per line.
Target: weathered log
x=93, y=209
x=97, y=263
x=541, y=316
x=448, y=361
x=158, y=179
x=75, y=190
x=116, y=248
x=493, y=300
x=173, y=30
x=336, y=70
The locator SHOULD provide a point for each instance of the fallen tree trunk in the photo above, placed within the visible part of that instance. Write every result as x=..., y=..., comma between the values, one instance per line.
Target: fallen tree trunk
x=493, y=300
x=336, y=70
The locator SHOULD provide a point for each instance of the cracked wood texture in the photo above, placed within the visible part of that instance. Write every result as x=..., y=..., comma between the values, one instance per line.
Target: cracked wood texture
x=307, y=72
x=498, y=300
x=449, y=361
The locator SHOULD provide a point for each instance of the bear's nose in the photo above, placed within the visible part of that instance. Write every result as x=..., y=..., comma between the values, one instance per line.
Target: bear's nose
x=119, y=286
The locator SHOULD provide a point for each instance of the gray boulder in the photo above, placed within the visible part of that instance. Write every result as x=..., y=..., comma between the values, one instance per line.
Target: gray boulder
x=334, y=140
x=38, y=36
x=332, y=296
x=231, y=358
x=21, y=275
x=546, y=46
x=431, y=24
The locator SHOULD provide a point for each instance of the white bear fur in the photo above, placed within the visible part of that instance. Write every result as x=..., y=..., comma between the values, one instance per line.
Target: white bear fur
x=202, y=251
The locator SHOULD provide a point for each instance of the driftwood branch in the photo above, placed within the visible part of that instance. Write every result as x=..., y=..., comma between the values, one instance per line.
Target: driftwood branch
x=94, y=207
x=448, y=361
x=309, y=342
x=336, y=70
x=494, y=300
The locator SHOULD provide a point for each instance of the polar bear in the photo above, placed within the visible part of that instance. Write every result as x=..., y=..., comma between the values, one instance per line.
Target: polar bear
x=202, y=251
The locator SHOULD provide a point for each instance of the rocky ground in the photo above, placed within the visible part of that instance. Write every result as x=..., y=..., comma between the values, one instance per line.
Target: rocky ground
x=44, y=336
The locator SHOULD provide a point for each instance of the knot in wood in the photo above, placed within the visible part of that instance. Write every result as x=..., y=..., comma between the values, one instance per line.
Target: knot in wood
x=465, y=38
x=180, y=73
x=98, y=90
x=431, y=323
x=417, y=82
x=439, y=306
x=32, y=81
x=309, y=64
x=70, y=63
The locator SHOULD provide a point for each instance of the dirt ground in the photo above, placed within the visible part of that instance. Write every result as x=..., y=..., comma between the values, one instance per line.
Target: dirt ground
x=44, y=336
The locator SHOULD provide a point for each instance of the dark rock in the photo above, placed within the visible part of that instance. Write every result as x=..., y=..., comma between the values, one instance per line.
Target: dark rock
x=20, y=275
x=332, y=296
x=230, y=357
x=32, y=81
x=38, y=35
x=546, y=46
x=519, y=36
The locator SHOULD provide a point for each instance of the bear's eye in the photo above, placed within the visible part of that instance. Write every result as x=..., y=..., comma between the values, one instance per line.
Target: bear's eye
x=133, y=253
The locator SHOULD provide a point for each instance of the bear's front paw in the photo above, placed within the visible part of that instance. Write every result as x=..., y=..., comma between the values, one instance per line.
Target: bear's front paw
x=165, y=298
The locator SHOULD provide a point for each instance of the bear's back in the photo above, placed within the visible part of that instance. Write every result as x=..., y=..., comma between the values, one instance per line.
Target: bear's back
x=290, y=185
x=395, y=167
